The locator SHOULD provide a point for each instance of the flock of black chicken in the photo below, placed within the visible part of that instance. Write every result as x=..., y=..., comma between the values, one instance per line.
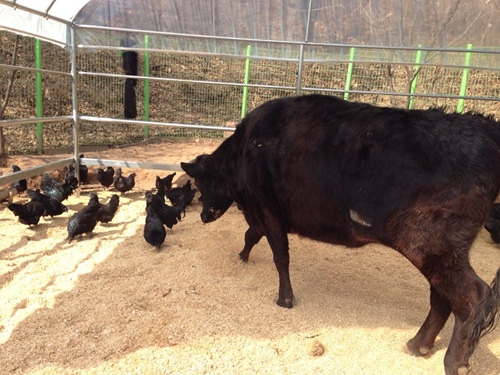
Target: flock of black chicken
x=160, y=214
x=47, y=201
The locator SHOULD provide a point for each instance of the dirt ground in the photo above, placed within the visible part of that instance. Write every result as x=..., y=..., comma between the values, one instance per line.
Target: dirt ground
x=111, y=304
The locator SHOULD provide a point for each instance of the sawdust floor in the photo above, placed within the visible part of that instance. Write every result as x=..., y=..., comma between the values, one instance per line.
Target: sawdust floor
x=110, y=304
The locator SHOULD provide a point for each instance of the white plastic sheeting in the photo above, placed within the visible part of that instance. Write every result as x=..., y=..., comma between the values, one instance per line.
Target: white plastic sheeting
x=45, y=19
x=393, y=23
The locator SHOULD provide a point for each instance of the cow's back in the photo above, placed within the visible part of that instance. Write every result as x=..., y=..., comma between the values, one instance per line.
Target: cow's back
x=340, y=172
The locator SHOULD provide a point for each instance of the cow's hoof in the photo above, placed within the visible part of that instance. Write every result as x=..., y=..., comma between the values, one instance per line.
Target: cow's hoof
x=416, y=349
x=464, y=370
x=287, y=302
x=243, y=257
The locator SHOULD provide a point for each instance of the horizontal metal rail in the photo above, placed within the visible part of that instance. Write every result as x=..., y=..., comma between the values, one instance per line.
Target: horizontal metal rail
x=392, y=93
x=34, y=120
x=180, y=52
x=150, y=78
x=131, y=164
x=402, y=63
x=291, y=87
x=38, y=170
x=274, y=41
x=177, y=35
x=35, y=171
x=35, y=70
x=290, y=59
x=169, y=124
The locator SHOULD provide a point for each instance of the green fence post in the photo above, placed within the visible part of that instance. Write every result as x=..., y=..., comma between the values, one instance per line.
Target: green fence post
x=349, y=73
x=146, y=86
x=38, y=96
x=465, y=77
x=413, y=85
x=247, y=79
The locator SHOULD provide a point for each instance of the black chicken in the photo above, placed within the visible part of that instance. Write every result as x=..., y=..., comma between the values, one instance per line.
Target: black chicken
x=161, y=190
x=165, y=182
x=84, y=171
x=168, y=215
x=124, y=184
x=55, y=189
x=83, y=221
x=94, y=200
x=20, y=185
x=105, y=177
x=106, y=212
x=52, y=207
x=30, y=212
x=70, y=177
x=181, y=196
x=154, y=231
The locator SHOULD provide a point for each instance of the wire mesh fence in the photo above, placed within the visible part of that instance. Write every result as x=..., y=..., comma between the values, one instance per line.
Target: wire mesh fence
x=189, y=88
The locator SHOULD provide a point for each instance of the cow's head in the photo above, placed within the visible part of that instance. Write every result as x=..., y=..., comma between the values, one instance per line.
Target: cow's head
x=212, y=185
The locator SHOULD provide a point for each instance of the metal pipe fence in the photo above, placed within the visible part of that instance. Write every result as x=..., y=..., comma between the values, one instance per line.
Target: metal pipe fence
x=201, y=94
x=203, y=89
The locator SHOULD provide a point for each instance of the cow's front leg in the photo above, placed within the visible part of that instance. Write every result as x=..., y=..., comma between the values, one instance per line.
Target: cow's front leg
x=278, y=240
x=285, y=296
x=252, y=237
x=439, y=313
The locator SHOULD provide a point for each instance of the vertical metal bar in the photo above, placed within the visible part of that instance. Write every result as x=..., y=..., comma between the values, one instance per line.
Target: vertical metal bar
x=38, y=96
x=247, y=79
x=465, y=77
x=233, y=28
x=413, y=86
x=214, y=41
x=252, y=25
x=146, y=86
x=301, y=51
x=76, y=144
x=282, y=30
x=268, y=27
x=348, y=79
x=299, y=76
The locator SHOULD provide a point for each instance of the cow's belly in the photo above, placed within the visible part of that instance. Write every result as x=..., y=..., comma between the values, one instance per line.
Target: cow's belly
x=344, y=235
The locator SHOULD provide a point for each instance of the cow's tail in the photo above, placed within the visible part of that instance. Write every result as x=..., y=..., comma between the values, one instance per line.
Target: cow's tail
x=484, y=317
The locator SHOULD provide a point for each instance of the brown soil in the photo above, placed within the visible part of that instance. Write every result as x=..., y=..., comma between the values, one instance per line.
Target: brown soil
x=111, y=304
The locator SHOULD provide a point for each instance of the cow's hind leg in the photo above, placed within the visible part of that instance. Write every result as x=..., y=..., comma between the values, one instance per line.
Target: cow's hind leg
x=455, y=281
x=440, y=310
x=252, y=237
x=469, y=291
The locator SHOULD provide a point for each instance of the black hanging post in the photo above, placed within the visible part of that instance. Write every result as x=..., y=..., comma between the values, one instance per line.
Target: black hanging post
x=130, y=68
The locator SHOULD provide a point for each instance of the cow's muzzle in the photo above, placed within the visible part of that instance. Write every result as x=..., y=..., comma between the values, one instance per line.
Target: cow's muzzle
x=207, y=217
x=211, y=214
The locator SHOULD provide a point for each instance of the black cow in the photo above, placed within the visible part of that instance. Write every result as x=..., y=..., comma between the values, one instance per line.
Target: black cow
x=419, y=181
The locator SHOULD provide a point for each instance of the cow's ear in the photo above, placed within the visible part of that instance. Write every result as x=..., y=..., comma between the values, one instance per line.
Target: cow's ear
x=192, y=169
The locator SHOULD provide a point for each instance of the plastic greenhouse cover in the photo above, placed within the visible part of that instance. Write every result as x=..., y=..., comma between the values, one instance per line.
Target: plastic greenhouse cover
x=29, y=17
x=270, y=26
